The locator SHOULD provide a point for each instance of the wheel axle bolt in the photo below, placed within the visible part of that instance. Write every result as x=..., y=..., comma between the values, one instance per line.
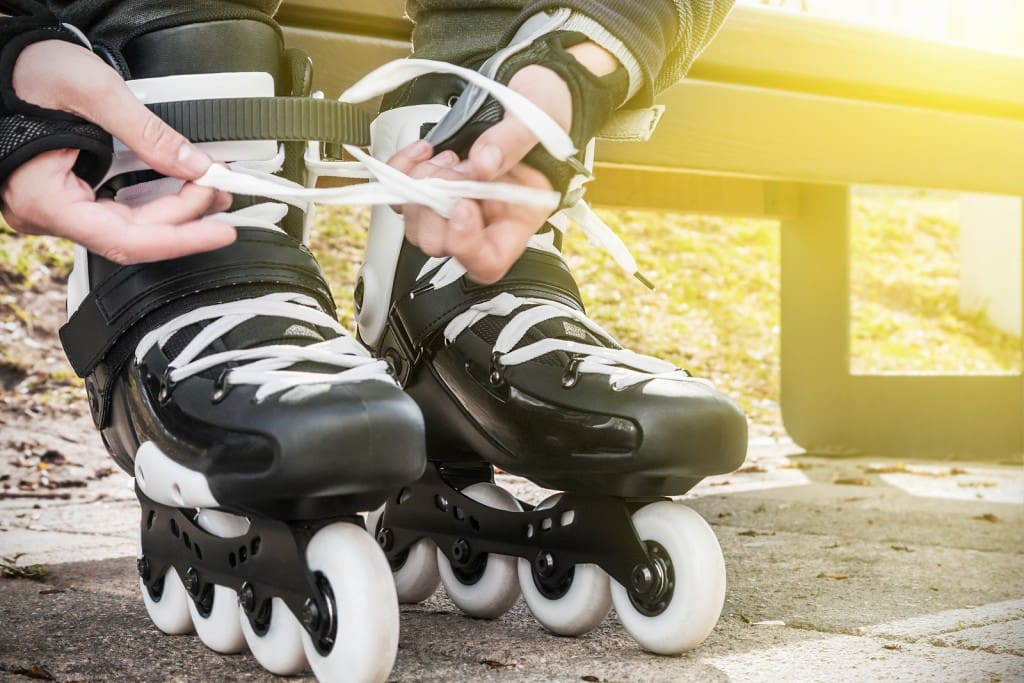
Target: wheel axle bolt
x=460, y=550
x=643, y=579
x=247, y=597
x=386, y=539
x=192, y=581
x=545, y=564
x=144, y=569
x=310, y=615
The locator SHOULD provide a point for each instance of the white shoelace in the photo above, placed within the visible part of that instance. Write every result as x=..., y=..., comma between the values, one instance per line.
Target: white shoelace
x=624, y=368
x=266, y=366
x=392, y=187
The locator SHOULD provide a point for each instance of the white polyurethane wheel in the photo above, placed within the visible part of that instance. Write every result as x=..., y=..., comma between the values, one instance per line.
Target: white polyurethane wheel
x=170, y=613
x=365, y=605
x=417, y=578
x=221, y=629
x=585, y=603
x=279, y=650
x=699, y=570
x=497, y=588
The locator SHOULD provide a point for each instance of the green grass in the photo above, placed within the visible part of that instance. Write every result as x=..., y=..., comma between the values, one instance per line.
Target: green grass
x=905, y=279
x=26, y=260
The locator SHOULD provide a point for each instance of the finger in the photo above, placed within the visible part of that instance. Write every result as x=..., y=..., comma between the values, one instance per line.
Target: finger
x=500, y=245
x=120, y=113
x=192, y=202
x=466, y=230
x=223, y=202
x=424, y=227
x=500, y=148
x=102, y=231
x=438, y=167
x=430, y=233
x=409, y=156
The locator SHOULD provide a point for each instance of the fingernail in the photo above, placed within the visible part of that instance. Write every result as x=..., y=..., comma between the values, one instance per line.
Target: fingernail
x=491, y=158
x=192, y=160
x=445, y=159
x=421, y=149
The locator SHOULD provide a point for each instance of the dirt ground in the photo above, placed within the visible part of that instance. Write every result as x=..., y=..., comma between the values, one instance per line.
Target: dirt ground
x=49, y=447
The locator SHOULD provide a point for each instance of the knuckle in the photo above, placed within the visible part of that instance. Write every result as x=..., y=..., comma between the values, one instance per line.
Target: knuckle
x=118, y=255
x=158, y=134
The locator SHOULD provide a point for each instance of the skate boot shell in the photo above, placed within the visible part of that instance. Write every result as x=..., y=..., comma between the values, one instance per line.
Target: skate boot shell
x=256, y=427
x=515, y=375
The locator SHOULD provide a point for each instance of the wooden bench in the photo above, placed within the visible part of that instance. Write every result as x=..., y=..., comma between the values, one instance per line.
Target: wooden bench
x=778, y=119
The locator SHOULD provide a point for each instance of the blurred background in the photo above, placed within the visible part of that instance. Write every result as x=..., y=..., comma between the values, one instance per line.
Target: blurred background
x=936, y=276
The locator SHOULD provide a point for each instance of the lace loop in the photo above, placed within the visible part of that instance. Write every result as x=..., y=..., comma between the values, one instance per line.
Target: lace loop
x=267, y=367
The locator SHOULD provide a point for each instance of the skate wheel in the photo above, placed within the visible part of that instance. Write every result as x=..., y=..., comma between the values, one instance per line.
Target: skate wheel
x=684, y=543
x=416, y=577
x=217, y=625
x=170, y=611
x=220, y=629
x=355, y=576
x=573, y=609
x=490, y=589
x=279, y=649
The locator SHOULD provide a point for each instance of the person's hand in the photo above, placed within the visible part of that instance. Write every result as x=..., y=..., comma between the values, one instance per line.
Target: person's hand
x=44, y=196
x=488, y=237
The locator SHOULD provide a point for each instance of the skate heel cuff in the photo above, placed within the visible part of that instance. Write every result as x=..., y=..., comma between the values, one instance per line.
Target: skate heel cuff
x=26, y=130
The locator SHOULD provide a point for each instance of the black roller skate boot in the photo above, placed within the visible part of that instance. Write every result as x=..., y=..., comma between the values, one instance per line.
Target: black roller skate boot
x=515, y=375
x=256, y=427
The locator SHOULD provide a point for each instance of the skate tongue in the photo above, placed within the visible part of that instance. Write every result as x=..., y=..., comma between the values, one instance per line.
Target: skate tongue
x=267, y=331
x=570, y=330
x=261, y=331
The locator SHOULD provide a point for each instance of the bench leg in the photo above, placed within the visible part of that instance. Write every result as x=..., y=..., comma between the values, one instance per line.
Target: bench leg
x=825, y=408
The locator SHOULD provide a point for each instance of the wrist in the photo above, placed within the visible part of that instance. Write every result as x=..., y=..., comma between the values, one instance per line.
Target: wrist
x=596, y=59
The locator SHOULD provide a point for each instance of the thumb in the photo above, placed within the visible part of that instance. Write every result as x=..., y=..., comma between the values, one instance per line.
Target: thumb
x=122, y=115
x=500, y=148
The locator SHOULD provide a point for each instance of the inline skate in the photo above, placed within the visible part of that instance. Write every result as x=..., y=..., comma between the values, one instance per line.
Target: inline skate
x=257, y=429
x=515, y=375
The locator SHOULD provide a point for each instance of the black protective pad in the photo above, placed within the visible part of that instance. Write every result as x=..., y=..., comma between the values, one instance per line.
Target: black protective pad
x=594, y=99
x=26, y=130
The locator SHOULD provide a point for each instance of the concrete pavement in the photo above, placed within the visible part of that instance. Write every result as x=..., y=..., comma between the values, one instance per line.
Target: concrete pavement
x=839, y=569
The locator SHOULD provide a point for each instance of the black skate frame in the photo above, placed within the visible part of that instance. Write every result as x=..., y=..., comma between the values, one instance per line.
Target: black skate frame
x=266, y=562
x=579, y=529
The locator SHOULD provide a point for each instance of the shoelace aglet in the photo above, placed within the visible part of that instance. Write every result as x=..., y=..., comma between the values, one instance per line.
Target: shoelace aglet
x=640, y=276
x=580, y=167
x=421, y=289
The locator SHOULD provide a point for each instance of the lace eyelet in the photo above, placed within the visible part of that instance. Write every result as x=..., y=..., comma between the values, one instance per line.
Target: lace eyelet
x=496, y=376
x=572, y=373
x=163, y=396
x=220, y=388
